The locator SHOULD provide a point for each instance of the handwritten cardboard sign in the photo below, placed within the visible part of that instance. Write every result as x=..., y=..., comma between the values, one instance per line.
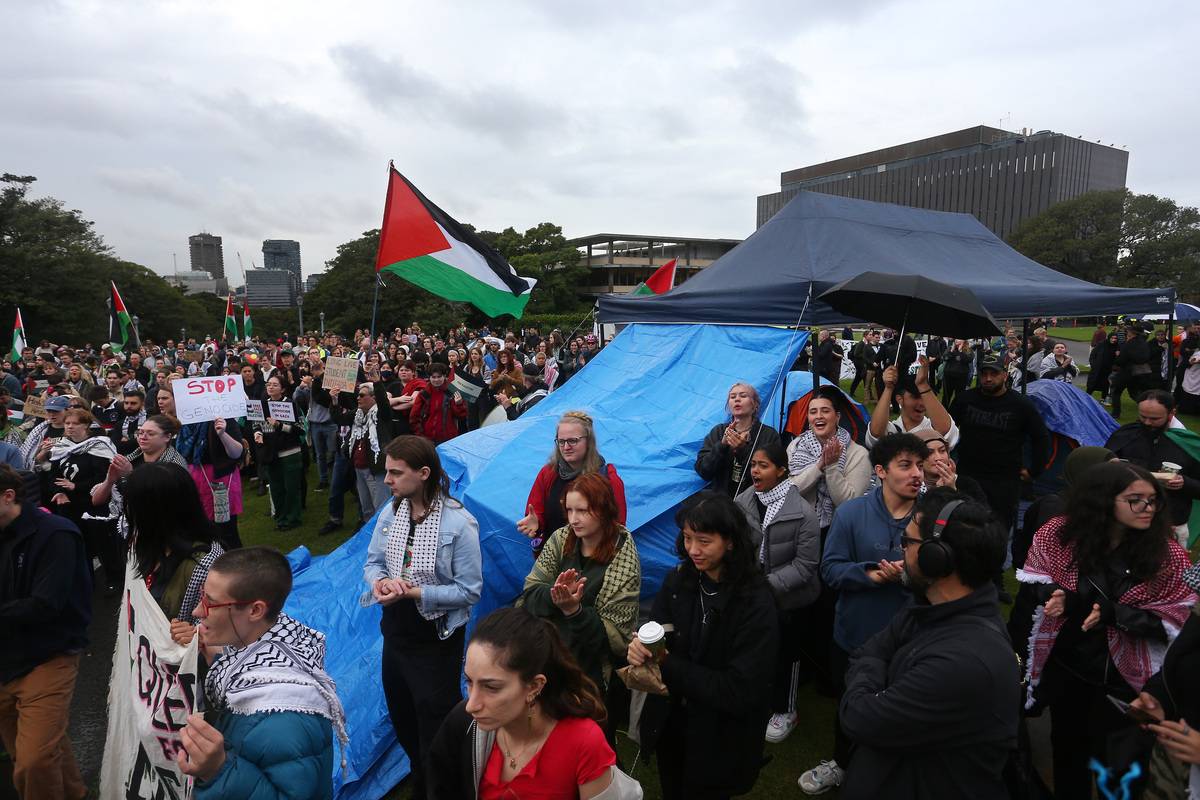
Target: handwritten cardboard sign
x=281, y=411
x=35, y=405
x=254, y=411
x=341, y=373
x=200, y=399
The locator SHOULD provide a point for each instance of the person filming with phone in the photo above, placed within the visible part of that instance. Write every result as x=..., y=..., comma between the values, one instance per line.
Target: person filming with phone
x=1109, y=574
x=931, y=701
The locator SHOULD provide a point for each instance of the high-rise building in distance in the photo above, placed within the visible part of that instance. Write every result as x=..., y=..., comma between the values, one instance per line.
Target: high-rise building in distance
x=271, y=288
x=207, y=255
x=282, y=254
x=1002, y=177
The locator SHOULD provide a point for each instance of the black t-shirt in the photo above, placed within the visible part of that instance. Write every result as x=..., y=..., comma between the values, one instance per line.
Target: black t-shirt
x=993, y=431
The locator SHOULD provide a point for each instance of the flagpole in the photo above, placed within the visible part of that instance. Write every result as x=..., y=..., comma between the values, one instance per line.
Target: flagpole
x=374, y=313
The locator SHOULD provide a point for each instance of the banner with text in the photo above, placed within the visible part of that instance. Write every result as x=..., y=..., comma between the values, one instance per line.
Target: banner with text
x=202, y=399
x=154, y=686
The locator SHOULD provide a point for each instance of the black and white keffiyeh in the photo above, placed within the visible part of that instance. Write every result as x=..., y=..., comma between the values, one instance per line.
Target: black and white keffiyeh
x=808, y=452
x=413, y=559
x=283, y=670
x=366, y=425
x=100, y=446
x=773, y=500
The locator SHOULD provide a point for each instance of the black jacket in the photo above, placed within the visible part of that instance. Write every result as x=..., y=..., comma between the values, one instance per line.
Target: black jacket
x=1177, y=685
x=716, y=460
x=993, y=431
x=727, y=686
x=1149, y=448
x=45, y=591
x=932, y=704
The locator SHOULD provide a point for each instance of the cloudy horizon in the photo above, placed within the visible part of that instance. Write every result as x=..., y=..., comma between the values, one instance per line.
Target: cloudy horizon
x=277, y=120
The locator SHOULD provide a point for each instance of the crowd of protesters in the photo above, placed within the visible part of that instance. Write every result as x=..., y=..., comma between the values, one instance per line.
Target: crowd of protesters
x=868, y=563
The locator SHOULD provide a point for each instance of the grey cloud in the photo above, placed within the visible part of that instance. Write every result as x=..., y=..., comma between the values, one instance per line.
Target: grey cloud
x=768, y=91
x=163, y=184
x=495, y=111
x=276, y=125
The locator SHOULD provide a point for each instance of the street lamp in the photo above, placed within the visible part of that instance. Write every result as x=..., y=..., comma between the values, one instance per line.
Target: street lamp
x=322, y=324
x=137, y=334
x=300, y=305
x=183, y=336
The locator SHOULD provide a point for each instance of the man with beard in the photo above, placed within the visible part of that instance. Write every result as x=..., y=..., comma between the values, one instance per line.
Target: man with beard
x=931, y=700
x=994, y=423
x=863, y=562
x=1146, y=444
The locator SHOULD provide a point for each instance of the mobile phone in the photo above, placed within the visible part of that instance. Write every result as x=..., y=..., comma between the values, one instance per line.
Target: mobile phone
x=872, y=566
x=1134, y=713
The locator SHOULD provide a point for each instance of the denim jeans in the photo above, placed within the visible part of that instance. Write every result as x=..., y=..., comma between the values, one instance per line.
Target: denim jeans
x=341, y=481
x=324, y=441
x=372, y=491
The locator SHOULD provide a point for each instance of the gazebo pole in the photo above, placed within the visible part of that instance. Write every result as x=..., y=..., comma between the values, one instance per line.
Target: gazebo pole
x=1024, y=358
x=1171, y=350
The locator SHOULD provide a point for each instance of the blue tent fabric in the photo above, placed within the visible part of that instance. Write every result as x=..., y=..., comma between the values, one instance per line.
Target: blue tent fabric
x=1072, y=412
x=654, y=393
x=818, y=240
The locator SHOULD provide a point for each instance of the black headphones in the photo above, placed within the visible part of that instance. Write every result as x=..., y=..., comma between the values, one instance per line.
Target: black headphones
x=935, y=556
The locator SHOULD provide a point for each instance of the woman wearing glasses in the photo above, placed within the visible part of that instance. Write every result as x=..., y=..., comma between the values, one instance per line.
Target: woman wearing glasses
x=1110, y=577
x=575, y=454
x=154, y=447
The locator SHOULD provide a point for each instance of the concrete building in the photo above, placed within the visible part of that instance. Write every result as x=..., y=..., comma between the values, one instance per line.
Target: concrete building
x=1002, y=177
x=271, y=288
x=618, y=262
x=282, y=254
x=196, y=282
x=207, y=255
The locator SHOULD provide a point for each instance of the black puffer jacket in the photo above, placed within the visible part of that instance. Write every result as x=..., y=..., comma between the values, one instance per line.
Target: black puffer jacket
x=932, y=704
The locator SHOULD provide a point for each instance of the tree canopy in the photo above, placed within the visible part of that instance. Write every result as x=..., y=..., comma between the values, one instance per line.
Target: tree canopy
x=1118, y=238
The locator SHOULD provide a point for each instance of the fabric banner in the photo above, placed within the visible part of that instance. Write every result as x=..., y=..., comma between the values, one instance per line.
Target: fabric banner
x=848, y=371
x=153, y=688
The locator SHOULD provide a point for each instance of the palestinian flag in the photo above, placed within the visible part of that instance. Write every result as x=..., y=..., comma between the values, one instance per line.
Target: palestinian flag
x=18, y=342
x=1189, y=442
x=422, y=244
x=247, y=323
x=121, y=333
x=661, y=282
x=230, y=331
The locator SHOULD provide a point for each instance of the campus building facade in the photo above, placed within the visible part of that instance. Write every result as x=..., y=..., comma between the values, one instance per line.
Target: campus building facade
x=618, y=262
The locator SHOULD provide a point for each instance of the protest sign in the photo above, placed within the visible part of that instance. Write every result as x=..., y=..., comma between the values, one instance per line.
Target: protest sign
x=200, y=399
x=468, y=390
x=254, y=411
x=341, y=373
x=35, y=406
x=196, y=356
x=153, y=688
x=281, y=411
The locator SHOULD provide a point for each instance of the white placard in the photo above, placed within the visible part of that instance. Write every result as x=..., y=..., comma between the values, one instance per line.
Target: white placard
x=200, y=399
x=254, y=411
x=281, y=410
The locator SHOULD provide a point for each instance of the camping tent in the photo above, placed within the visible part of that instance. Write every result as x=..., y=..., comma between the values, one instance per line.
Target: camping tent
x=818, y=240
x=1074, y=418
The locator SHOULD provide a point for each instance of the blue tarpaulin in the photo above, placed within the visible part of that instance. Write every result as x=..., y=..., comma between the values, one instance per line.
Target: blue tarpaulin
x=1068, y=410
x=654, y=393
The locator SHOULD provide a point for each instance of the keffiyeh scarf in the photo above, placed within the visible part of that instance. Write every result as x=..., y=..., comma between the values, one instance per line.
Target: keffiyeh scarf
x=808, y=452
x=100, y=446
x=283, y=670
x=413, y=558
x=773, y=500
x=366, y=425
x=1167, y=596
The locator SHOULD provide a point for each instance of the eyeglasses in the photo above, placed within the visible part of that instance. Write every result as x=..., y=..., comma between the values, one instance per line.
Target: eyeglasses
x=1140, y=504
x=905, y=541
x=208, y=607
x=574, y=440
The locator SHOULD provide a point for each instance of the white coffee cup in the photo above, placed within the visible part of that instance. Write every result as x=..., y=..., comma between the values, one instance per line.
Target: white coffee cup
x=653, y=636
x=1168, y=466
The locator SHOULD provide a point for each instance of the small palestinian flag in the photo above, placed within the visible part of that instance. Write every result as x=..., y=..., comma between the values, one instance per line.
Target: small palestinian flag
x=661, y=282
x=18, y=342
x=122, y=335
x=422, y=244
x=230, y=331
x=247, y=323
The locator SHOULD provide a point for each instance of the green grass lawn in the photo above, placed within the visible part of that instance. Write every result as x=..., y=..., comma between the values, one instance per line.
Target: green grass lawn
x=1081, y=334
x=811, y=742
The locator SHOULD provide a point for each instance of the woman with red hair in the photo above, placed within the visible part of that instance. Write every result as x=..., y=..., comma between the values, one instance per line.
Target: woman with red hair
x=588, y=577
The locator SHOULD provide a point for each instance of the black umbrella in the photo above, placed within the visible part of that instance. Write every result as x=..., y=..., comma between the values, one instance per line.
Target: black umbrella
x=900, y=301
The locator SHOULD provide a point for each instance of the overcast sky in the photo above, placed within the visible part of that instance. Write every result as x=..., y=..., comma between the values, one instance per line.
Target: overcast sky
x=272, y=120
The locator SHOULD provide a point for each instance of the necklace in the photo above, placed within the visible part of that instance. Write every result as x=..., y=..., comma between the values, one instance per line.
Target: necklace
x=704, y=612
x=513, y=758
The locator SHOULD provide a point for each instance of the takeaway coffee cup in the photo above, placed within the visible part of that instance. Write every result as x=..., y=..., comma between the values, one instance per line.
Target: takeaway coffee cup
x=653, y=636
x=1171, y=467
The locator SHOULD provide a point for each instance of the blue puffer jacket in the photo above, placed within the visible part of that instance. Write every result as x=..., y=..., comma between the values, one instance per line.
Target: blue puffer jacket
x=271, y=756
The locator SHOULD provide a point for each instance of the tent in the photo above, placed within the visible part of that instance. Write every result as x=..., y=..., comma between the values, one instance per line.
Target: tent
x=654, y=394
x=1074, y=419
x=818, y=240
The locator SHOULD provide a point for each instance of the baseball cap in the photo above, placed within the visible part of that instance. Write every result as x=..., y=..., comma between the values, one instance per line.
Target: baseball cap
x=58, y=403
x=929, y=434
x=991, y=361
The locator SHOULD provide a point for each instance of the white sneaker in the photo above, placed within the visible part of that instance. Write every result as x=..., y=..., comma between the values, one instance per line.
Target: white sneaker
x=780, y=726
x=822, y=778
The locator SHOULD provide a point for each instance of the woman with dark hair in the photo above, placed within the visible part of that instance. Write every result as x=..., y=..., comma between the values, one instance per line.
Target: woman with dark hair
x=530, y=724
x=281, y=448
x=1110, y=578
x=726, y=450
x=476, y=373
x=786, y=535
x=719, y=659
x=154, y=438
x=575, y=453
x=824, y=463
x=171, y=539
x=424, y=567
x=588, y=578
